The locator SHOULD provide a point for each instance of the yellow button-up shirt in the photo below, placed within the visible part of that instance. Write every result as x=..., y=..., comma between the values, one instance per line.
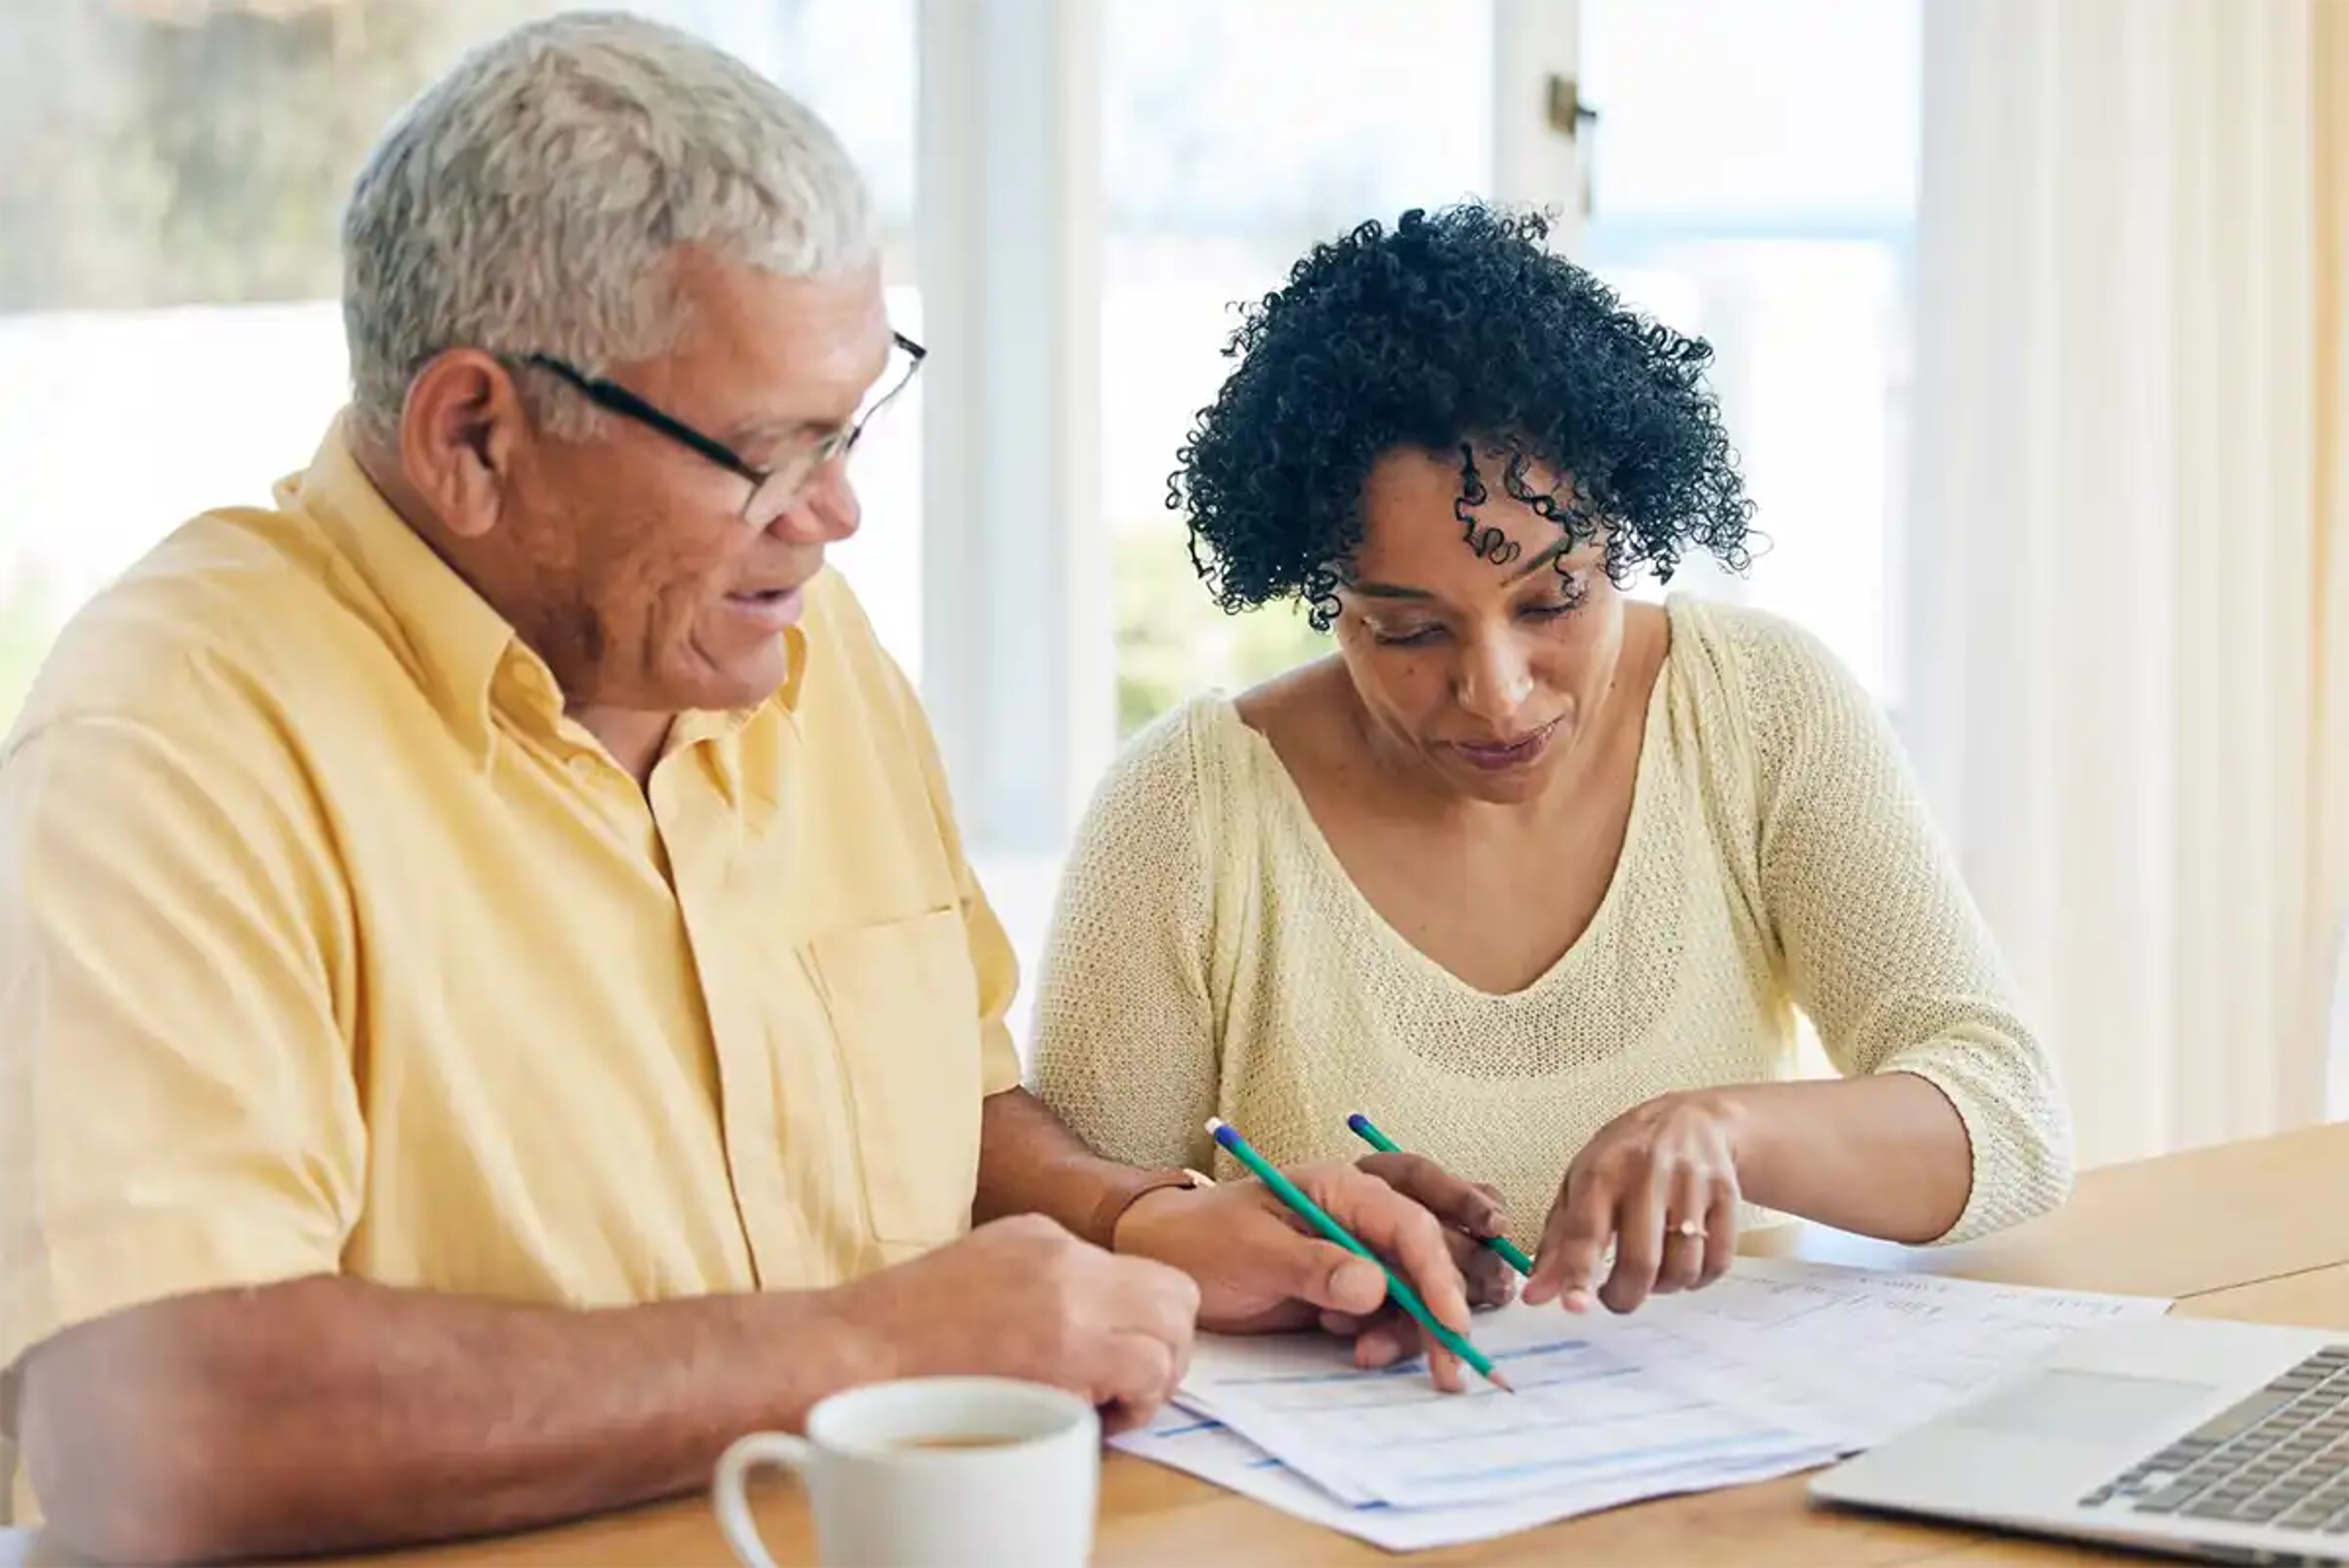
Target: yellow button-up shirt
x=328, y=942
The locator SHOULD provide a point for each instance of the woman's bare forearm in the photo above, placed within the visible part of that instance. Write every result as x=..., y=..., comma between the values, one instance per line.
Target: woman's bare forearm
x=1885, y=1156
x=329, y=1414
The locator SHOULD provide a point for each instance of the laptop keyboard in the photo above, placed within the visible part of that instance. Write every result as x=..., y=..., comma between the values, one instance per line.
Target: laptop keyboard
x=2280, y=1457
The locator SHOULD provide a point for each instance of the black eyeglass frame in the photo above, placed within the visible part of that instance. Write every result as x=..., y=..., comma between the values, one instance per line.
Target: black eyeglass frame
x=618, y=399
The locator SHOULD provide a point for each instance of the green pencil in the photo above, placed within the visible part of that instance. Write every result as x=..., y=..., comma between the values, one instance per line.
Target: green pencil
x=1367, y=1130
x=1398, y=1287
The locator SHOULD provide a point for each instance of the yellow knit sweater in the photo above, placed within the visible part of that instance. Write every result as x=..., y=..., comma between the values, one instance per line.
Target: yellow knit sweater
x=1209, y=957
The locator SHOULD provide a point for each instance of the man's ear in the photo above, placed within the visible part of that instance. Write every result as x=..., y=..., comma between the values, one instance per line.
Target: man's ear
x=459, y=431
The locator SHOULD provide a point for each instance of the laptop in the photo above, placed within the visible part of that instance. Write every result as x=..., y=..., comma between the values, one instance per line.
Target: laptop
x=2228, y=1442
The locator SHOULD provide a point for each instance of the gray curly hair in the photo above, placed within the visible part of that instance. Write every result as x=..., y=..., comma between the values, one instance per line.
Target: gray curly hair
x=531, y=201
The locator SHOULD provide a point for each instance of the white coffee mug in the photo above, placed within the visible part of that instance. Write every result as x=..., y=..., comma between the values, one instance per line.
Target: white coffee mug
x=932, y=1472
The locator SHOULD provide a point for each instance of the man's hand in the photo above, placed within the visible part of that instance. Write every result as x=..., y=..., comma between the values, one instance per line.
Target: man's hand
x=1471, y=1213
x=366, y=1417
x=1260, y=1269
x=1023, y=1298
x=1660, y=1183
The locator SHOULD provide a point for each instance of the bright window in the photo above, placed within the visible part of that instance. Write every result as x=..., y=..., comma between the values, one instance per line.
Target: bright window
x=169, y=336
x=1754, y=180
x=1224, y=160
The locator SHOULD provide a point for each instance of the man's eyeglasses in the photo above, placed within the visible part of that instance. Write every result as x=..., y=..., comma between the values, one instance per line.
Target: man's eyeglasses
x=773, y=490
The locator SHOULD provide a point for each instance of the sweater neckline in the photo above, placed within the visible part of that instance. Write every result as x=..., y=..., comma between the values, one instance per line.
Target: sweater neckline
x=1365, y=915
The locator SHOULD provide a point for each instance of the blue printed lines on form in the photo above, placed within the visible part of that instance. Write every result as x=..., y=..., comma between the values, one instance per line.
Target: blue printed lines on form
x=1663, y=1453
x=1569, y=1423
x=1414, y=1367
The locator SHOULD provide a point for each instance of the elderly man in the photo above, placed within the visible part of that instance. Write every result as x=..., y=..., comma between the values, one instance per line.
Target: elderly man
x=495, y=1004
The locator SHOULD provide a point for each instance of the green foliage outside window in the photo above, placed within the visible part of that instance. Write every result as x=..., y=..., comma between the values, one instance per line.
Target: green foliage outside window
x=28, y=621
x=1172, y=641
x=174, y=151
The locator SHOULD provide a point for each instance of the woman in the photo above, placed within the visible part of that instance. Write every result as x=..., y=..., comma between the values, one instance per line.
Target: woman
x=1534, y=874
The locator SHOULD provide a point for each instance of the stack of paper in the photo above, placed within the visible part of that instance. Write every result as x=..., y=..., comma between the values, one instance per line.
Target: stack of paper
x=1779, y=1367
x=1861, y=1354
x=1215, y=1453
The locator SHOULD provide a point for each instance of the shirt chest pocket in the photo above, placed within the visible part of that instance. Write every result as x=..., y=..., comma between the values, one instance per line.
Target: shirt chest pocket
x=904, y=1002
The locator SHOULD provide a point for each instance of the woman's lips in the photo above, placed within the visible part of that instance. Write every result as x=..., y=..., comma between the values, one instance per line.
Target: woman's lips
x=1503, y=755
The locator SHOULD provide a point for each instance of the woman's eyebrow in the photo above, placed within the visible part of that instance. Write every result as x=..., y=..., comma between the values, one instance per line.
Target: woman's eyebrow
x=1559, y=548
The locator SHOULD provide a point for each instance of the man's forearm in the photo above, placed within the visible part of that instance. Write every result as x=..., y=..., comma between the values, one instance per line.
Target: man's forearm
x=1031, y=1163
x=1884, y=1156
x=330, y=1414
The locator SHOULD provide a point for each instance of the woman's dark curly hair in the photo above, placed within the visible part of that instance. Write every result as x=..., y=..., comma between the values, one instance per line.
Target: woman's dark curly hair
x=1455, y=331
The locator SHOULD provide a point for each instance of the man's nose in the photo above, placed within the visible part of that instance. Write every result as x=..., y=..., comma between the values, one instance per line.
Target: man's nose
x=827, y=509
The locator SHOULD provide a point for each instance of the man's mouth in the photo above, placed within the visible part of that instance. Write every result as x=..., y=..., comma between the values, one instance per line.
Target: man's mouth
x=774, y=609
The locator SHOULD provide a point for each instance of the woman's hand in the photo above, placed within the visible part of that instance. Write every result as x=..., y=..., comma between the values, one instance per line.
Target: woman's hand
x=1659, y=1182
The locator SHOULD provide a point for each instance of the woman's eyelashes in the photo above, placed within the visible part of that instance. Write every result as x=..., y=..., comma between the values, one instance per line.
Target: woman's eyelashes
x=1419, y=633
x=1404, y=637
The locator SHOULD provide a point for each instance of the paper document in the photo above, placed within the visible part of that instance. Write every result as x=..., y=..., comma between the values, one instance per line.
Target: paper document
x=1781, y=1367
x=1589, y=1406
x=1215, y=1453
x=1859, y=1354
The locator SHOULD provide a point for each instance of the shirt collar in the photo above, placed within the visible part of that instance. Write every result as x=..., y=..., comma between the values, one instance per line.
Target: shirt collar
x=460, y=649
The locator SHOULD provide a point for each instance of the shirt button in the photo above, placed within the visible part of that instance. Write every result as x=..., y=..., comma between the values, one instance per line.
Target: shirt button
x=583, y=765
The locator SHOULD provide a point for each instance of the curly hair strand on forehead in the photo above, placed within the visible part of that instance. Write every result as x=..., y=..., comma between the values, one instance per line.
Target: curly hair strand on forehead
x=1453, y=332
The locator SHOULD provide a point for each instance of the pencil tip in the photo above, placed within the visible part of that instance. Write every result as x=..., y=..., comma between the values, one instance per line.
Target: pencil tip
x=1500, y=1382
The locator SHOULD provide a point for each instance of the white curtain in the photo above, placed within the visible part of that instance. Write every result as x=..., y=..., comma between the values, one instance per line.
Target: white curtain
x=2329, y=52
x=2124, y=583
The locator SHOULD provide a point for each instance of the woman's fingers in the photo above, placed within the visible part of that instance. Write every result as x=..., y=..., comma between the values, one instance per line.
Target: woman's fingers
x=1492, y=1282
x=1658, y=1184
x=1474, y=1207
x=1720, y=1234
x=1688, y=1229
x=1639, y=1244
x=1574, y=1239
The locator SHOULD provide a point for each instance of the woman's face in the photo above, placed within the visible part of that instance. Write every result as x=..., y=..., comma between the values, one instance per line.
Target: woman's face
x=1486, y=670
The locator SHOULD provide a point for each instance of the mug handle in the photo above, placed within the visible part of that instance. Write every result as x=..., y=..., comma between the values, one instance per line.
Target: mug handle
x=744, y=1455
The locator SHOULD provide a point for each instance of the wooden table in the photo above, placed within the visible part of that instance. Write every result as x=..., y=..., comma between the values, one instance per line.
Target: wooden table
x=2178, y=1226
x=2256, y=1231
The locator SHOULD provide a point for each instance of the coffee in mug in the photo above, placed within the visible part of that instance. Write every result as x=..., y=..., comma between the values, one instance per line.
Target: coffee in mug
x=958, y=1441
